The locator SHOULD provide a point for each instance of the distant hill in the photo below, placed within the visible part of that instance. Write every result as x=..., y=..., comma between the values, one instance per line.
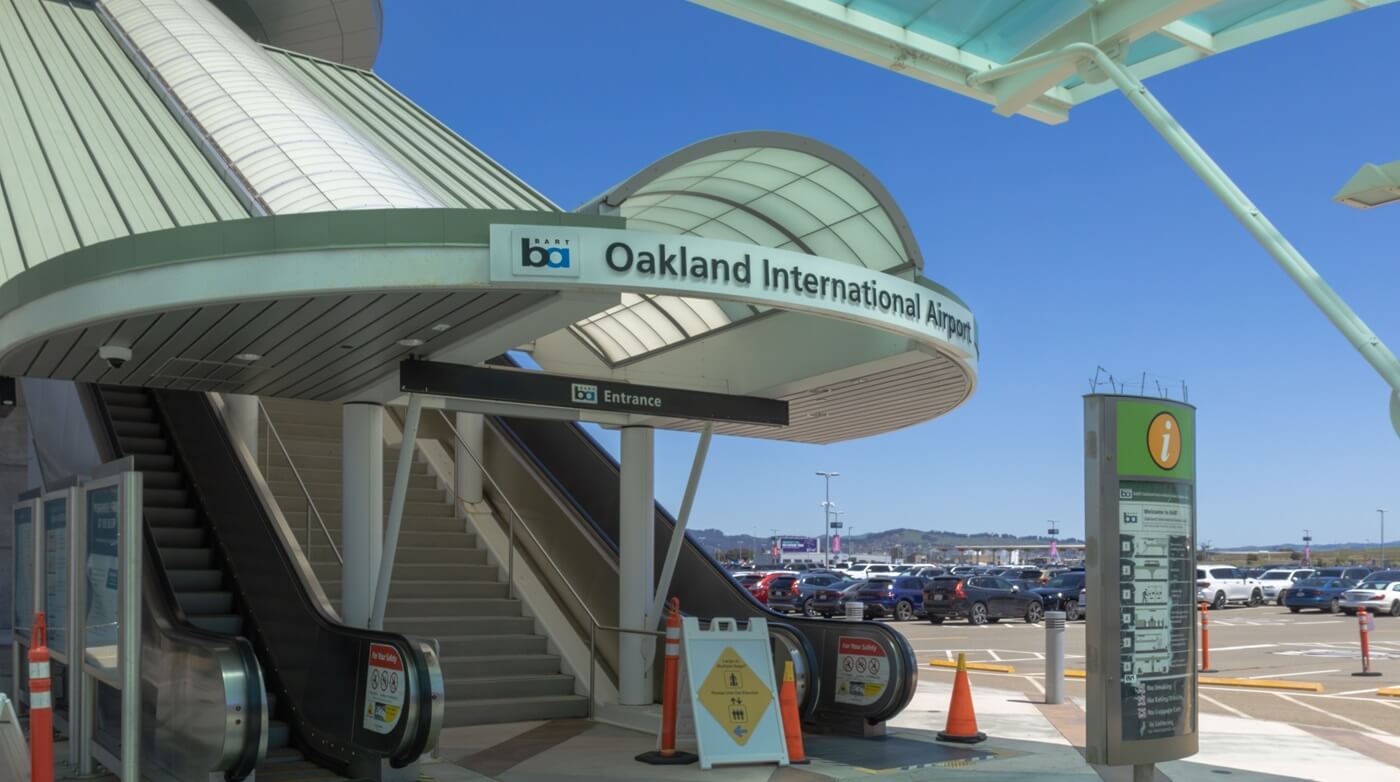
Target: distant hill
x=909, y=540
x=1299, y=546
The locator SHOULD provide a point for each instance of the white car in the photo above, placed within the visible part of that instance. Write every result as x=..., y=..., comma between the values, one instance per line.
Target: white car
x=1376, y=596
x=1278, y=581
x=864, y=570
x=1221, y=584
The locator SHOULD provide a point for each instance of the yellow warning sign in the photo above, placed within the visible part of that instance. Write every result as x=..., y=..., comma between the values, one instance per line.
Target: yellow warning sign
x=735, y=696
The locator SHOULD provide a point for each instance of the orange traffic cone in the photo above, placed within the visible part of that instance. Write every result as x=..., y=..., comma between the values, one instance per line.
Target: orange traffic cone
x=962, y=720
x=792, y=724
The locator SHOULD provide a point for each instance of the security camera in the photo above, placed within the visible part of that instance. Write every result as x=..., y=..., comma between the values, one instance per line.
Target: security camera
x=114, y=355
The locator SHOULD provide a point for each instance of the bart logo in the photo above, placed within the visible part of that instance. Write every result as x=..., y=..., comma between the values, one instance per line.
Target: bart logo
x=1164, y=440
x=550, y=253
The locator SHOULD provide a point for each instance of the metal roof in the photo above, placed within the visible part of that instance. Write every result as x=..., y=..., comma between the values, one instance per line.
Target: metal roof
x=347, y=31
x=767, y=188
x=942, y=42
x=89, y=152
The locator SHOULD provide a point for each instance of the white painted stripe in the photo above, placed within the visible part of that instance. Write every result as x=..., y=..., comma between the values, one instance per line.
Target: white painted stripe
x=1036, y=683
x=41, y=700
x=994, y=654
x=1288, y=675
x=1367, y=691
x=38, y=670
x=1348, y=720
x=1226, y=707
x=1215, y=649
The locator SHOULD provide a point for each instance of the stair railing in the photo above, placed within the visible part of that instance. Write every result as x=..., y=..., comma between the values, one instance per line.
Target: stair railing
x=310, y=503
x=593, y=624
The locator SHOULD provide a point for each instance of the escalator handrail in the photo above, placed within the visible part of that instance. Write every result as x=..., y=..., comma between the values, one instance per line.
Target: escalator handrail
x=255, y=727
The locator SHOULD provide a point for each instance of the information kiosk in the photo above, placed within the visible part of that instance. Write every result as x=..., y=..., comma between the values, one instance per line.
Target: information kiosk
x=1140, y=524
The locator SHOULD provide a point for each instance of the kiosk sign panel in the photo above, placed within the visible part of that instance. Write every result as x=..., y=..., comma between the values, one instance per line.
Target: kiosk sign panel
x=56, y=509
x=24, y=567
x=1140, y=522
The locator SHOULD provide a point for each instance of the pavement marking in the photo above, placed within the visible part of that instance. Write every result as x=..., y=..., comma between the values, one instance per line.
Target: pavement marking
x=1389, y=692
x=1214, y=649
x=994, y=654
x=1368, y=691
x=1348, y=720
x=1035, y=683
x=1299, y=673
x=1224, y=706
x=988, y=667
x=1273, y=684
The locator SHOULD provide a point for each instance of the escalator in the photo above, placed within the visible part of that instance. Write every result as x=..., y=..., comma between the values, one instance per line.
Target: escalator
x=221, y=562
x=578, y=471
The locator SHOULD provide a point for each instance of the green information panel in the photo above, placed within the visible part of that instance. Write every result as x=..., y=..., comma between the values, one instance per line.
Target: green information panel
x=1140, y=526
x=56, y=571
x=24, y=567
x=103, y=523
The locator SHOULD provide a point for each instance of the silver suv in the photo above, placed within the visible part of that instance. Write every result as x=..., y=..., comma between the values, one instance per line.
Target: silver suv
x=1221, y=584
x=1277, y=581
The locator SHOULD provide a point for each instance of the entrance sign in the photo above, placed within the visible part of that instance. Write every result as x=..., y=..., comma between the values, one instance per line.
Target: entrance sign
x=540, y=388
x=1140, y=524
x=385, y=685
x=862, y=671
x=622, y=260
x=729, y=676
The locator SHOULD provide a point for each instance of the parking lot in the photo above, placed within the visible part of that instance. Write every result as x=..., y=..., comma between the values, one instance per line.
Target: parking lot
x=1263, y=643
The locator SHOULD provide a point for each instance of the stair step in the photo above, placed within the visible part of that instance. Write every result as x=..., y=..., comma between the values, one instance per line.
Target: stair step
x=491, y=644
x=171, y=517
x=434, y=608
x=473, y=666
x=166, y=498
x=201, y=603
x=178, y=537
x=415, y=589
x=438, y=627
x=157, y=445
x=148, y=461
x=414, y=556
x=136, y=428
x=480, y=711
x=162, y=480
x=125, y=397
x=187, y=558
x=196, y=580
x=449, y=572
x=284, y=484
x=142, y=413
x=510, y=686
x=228, y=624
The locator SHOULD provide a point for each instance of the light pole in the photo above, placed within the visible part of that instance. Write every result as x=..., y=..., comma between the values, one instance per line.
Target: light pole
x=1382, y=512
x=826, y=518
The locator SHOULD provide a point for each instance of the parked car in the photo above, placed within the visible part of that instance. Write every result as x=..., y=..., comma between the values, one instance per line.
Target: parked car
x=1024, y=577
x=1083, y=606
x=747, y=578
x=760, y=588
x=1278, y=581
x=981, y=599
x=1061, y=593
x=863, y=570
x=780, y=593
x=1221, y=584
x=1377, y=595
x=829, y=600
x=1324, y=594
x=798, y=595
x=928, y=571
x=901, y=597
x=1344, y=573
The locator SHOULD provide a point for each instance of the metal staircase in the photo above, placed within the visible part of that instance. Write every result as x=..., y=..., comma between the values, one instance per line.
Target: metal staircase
x=496, y=667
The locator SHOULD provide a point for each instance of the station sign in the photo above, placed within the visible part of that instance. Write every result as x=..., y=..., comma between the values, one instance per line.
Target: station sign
x=1140, y=520
x=728, y=676
x=581, y=393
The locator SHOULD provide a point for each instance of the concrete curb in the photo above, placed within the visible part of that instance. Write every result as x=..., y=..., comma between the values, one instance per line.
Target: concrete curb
x=990, y=667
x=1259, y=684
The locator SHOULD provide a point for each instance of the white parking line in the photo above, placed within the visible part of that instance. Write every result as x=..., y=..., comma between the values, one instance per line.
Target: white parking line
x=1036, y=683
x=994, y=654
x=1215, y=649
x=1226, y=707
x=1348, y=720
x=1299, y=673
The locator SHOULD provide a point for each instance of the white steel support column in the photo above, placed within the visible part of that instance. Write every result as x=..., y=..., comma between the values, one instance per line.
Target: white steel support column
x=472, y=427
x=243, y=420
x=362, y=508
x=636, y=562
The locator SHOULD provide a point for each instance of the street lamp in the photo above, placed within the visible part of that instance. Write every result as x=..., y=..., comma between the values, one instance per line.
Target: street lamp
x=826, y=518
x=1371, y=186
x=1382, y=512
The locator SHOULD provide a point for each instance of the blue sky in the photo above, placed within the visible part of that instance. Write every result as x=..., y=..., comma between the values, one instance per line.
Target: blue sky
x=1080, y=245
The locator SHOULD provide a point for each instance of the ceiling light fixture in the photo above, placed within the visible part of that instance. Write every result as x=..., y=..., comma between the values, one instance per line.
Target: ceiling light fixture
x=411, y=342
x=248, y=357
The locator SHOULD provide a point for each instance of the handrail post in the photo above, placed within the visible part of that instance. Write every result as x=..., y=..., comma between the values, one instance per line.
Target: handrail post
x=592, y=666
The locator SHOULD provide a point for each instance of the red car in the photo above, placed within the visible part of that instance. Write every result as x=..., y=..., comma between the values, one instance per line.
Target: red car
x=759, y=588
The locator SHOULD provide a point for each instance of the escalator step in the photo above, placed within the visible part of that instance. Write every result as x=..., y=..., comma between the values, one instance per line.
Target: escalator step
x=126, y=397
x=228, y=624
x=187, y=558
x=166, y=498
x=178, y=537
x=151, y=461
x=141, y=414
x=202, y=603
x=133, y=445
x=171, y=517
x=196, y=580
x=154, y=479
x=136, y=428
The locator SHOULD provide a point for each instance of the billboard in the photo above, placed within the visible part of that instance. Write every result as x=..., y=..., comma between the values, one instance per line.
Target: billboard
x=789, y=545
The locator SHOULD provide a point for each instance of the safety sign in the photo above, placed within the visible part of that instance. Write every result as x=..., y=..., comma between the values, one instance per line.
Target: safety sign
x=862, y=671
x=729, y=673
x=384, y=689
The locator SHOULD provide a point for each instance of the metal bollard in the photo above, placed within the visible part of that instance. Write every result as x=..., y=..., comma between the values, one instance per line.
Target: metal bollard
x=1054, y=656
x=855, y=611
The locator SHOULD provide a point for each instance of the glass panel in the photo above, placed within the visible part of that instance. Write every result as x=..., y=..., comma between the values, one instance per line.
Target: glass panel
x=103, y=514
x=56, y=572
x=24, y=567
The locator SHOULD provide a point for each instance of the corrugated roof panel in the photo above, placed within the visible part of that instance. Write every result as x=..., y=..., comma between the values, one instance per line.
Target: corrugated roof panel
x=457, y=172
x=90, y=152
